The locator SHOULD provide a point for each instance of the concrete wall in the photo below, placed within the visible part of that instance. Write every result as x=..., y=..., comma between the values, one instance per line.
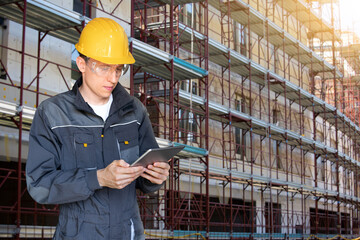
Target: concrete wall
x=9, y=143
x=51, y=81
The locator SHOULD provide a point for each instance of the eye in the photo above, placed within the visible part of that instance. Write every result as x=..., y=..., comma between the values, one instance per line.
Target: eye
x=104, y=68
x=118, y=72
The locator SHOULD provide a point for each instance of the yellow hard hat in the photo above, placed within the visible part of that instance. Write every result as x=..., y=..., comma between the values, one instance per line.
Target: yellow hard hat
x=105, y=40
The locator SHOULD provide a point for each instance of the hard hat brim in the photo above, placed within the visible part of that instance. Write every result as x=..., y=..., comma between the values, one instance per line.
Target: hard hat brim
x=129, y=59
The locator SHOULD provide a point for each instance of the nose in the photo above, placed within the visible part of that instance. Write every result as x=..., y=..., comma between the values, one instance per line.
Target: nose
x=111, y=76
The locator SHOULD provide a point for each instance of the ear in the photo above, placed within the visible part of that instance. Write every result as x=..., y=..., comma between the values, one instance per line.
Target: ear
x=80, y=62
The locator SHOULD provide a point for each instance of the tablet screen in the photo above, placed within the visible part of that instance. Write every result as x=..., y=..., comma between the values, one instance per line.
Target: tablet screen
x=157, y=155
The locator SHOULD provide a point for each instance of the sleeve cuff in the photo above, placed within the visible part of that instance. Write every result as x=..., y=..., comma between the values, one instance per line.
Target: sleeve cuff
x=147, y=187
x=91, y=179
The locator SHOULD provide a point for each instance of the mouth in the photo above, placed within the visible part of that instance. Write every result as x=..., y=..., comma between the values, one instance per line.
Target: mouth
x=109, y=88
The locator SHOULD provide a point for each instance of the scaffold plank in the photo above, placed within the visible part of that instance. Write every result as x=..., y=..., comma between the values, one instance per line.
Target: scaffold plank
x=277, y=36
x=189, y=151
x=157, y=62
x=47, y=17
x=260, y=127
x=60, y=22
x=243, y=177
x=317, y=26
x=268, y=178
x=146, y=56
x=139, y=5
x=352, y=56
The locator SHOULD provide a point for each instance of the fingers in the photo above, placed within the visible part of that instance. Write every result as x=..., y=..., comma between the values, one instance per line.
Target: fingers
x=152, y=179
x=121, y=163
x=128, y=170
x=127, y=175
x=157, y=173
x=158, y=170
x=122, y=183
x=123, y=167
x=163, y=165
x=118, y=174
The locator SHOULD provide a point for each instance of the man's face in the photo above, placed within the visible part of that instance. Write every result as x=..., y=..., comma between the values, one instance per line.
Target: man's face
x=99, y=80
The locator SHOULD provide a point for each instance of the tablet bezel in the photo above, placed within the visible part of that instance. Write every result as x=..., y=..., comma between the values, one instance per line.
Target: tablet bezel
x=165, y=155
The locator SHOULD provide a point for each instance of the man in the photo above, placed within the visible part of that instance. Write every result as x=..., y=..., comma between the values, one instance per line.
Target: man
x=82, y=142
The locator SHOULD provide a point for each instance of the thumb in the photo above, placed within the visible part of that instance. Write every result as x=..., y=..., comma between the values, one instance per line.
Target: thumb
x=121, y=163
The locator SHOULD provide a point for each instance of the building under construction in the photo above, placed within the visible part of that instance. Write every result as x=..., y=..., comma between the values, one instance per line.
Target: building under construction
x=263, y=94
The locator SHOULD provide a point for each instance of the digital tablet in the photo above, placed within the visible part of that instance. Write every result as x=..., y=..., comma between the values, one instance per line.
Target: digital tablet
x=157, y=155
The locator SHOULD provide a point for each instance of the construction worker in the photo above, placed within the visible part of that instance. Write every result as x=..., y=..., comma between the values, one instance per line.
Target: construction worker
x=82, y=142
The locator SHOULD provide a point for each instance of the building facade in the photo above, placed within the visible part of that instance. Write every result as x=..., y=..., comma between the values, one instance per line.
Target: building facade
x=262, y=93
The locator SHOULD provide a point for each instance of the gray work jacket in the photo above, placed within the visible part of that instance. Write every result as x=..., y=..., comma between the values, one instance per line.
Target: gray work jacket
x=68, y=143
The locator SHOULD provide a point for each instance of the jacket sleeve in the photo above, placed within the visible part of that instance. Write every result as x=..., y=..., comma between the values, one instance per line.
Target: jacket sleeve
x=146, y=141
x=46, y=182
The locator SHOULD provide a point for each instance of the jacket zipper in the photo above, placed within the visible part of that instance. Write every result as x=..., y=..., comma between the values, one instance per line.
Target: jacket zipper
x=74, y=145
x=102, y=143
x=119, y=149
x=118, y=145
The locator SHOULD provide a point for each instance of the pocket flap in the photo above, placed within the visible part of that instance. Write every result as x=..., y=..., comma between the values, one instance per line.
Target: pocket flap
x=84, y=138
x=126, y=136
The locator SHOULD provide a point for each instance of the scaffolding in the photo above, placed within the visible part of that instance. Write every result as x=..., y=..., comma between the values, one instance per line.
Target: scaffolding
x=264, y=95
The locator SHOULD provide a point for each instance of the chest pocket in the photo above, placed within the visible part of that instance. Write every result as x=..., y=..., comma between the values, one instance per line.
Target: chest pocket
x=128, y=144
x=85, y=150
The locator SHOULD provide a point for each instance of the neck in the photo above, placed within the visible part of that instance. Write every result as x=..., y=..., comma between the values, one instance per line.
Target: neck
x=91, y=98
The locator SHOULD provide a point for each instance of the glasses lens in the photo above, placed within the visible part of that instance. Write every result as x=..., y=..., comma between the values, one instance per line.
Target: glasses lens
x=104, y=70
x=125, y=69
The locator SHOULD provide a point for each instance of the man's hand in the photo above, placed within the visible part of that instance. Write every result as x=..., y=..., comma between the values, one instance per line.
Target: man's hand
x=118, y=174
x=157, y=173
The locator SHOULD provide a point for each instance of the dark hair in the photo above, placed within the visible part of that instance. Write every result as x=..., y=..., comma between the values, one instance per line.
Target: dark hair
x=84, y=57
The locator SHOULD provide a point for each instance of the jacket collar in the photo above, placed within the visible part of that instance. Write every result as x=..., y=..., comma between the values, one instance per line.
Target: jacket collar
x=121, y=99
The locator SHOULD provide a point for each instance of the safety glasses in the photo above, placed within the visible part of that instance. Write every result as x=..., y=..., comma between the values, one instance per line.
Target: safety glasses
x=104, y=70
